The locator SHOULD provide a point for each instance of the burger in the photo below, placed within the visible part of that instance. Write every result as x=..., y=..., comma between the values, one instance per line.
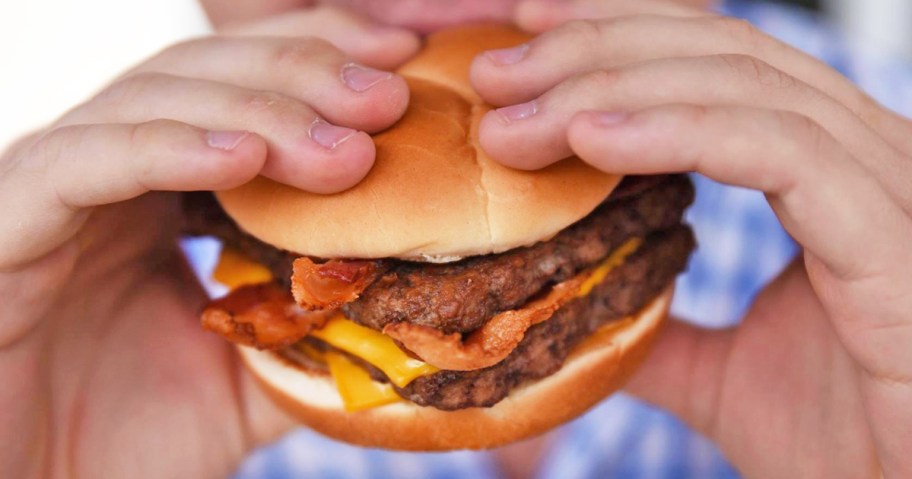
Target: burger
x=446, y=301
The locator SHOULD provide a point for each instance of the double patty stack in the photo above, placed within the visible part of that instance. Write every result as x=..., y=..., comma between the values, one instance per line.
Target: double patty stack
x=460, y=297
x=450, y=300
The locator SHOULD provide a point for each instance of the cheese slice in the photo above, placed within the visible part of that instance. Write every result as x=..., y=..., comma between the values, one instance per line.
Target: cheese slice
x=615, y=259
x=356, y=388
x=234, y=270
x=375, y=348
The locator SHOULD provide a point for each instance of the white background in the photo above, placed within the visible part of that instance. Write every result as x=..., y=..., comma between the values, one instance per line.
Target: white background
x=55, y=53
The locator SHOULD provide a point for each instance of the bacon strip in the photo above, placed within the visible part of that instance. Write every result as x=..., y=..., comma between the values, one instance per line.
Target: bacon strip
x=489, y=344
x=264, y=316
x=329, y=285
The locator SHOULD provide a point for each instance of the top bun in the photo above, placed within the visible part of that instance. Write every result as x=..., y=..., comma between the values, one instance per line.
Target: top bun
x=432, y=194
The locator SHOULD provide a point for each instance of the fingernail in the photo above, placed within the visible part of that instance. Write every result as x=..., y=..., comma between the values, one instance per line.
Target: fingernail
x=329, y=136
x=518, y=112
x=360, y=78
x=609, y=118
x=508, y=56
x=226, y=140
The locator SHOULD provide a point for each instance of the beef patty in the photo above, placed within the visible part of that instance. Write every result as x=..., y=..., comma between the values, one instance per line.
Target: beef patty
x=626, y=290
x=461, y=296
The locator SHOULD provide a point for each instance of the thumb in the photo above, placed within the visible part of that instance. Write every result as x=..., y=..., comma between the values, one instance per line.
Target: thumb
x=684, y=373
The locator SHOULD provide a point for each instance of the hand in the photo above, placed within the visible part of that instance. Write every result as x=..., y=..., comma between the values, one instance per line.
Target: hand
x=105, y=369
x=817, y=380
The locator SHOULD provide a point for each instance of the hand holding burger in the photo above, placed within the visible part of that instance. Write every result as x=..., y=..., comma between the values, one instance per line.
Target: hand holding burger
x=105, y=370
x=818, y=378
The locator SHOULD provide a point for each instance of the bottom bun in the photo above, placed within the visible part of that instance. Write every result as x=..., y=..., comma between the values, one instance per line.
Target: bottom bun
x=594, y=370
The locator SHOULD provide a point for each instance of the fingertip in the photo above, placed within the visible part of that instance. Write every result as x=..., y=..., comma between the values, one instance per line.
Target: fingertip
x=386, y=107
x=347, y=165
x=489, y=81
x=372, y=101
x=508, y=147
x=329, y=161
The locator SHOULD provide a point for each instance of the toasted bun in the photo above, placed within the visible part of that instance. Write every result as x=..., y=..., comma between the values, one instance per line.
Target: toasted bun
x=595, y=369
x=432, y=193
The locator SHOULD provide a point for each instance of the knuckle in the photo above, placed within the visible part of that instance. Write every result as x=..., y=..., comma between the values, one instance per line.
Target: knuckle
x=46, y=156
x=739, y=30
x=803, y=136
x=274, y=107
x=126, y=90
x=755, y=70
x=701, y=115
x=148, y=140
x=302, y=52
x=586, y=31
x=600, y=80
x=137, y=135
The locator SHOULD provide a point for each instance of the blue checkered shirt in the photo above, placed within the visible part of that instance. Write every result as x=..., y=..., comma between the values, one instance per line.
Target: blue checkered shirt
x=742, y=246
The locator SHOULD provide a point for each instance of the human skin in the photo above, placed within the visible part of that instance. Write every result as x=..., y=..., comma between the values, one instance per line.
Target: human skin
x=817, y=380
x=105, y=369
x=107, y=373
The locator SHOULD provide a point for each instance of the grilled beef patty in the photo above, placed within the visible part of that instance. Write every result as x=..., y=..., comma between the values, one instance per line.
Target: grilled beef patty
x=461, y=296
x=626, y=290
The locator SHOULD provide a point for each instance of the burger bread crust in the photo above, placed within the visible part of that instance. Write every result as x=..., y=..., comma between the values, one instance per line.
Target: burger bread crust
x=432, y=194
x=596, y=368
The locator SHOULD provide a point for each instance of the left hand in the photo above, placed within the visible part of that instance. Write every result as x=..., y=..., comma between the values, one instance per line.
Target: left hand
x=817, y=379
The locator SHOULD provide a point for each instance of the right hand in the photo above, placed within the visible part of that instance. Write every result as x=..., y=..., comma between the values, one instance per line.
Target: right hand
x=292, y=108
x=99, y=333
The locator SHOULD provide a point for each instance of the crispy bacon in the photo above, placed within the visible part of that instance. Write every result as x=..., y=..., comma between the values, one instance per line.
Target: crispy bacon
x=264, y=316
x=489, y=344
x=327, y=286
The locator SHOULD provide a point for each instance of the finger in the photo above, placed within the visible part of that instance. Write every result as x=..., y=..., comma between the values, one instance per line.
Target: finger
x=855, y=237
x=371, y=44
x=684, y=373
x=309, y=69
x=229, y=12
x=77, y=167
x=542, y=15
x=820, y=194
x=305, y=150
x=538, y=139
x=604, y=44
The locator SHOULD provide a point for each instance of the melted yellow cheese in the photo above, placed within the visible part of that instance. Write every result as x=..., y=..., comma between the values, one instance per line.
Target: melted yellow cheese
x=357, y=389
x=375, y=348
x=235, y=270
x=615, y=259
